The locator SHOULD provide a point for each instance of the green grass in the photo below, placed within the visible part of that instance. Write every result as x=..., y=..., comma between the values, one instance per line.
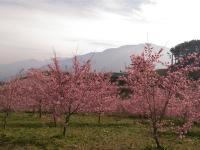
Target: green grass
x=28, y=132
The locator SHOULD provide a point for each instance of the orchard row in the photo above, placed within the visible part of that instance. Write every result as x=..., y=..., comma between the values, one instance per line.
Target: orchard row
x=82, y=90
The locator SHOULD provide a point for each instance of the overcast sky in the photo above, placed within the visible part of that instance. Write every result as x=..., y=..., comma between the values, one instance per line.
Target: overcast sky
x=33, y=28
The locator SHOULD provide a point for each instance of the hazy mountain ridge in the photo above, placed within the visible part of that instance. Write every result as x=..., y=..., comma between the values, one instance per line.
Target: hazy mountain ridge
x=113, y=59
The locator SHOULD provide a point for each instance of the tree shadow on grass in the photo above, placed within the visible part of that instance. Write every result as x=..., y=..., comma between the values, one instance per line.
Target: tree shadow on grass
x=169, y=134
x=104, y=125
x=36, y=125
x=4, y=139
x=155, y=148
x=13, y=142
x=194, y=134
x=30, y=125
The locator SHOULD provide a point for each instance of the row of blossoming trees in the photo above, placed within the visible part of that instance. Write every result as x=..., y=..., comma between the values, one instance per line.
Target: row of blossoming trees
x=81, y=90
x=59, y=92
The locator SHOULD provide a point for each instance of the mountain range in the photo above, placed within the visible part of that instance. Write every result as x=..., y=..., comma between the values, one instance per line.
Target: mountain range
x=109, y=60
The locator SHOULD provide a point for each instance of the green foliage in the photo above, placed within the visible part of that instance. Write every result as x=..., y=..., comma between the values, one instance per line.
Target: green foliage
x=26, y=131
x=183, y=49
x=161, y=72
x=195, y=75
x=115, y=77
x=124, y=92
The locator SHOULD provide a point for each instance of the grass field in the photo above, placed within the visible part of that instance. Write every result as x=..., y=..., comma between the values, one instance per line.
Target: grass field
x=28, y=132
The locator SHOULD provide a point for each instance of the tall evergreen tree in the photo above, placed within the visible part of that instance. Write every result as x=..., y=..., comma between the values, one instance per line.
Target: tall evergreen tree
x=184, y=49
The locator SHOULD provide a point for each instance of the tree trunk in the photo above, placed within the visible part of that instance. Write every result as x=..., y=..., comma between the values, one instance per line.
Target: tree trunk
x=155, y=136
x=142, y=118
x=66, y=124
x=34, y=112
x=5, y=120
x=40, y=110
x=40, y=114
x=99, y=118
x=55, y=121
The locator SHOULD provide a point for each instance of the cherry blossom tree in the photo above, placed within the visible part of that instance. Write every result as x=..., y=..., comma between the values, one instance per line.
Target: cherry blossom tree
x=153, y=95
x=9, y=98
x=188, y=105
x=37, y=87
x=70, y=89
x=103, y=95
x=56, y=80
x=77, y=90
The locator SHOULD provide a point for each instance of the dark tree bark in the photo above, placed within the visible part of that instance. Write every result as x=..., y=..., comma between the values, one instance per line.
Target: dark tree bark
x=99, y=118
x=66, y=124
x=5, y=120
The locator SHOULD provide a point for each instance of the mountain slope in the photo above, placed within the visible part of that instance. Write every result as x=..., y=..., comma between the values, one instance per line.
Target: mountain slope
x=113, y=59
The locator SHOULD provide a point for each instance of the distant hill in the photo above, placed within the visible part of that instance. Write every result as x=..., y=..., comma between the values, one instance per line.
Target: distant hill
x=112, y=60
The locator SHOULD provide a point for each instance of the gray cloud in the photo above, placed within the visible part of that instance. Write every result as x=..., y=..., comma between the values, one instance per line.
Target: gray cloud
x=29, y=28
x=79, y=7
x=103, y=43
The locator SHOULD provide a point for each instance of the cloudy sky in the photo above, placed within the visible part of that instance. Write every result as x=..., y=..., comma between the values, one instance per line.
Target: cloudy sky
x=34, y=28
